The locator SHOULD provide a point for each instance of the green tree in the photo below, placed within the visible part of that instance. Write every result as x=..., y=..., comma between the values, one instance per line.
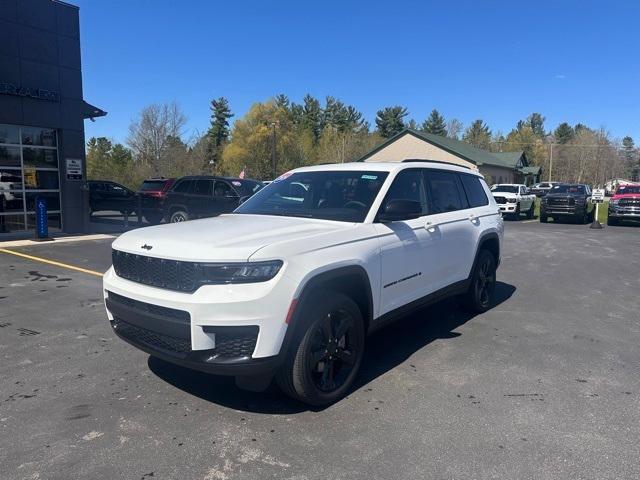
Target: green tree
x=390, y=120
x=109, y=161
x=527, y=140
x=536, y=122
x=631, y=160
x=564, y=133
x=435, y=124
x=219, y=130
x=478, y=135
x=312, y=116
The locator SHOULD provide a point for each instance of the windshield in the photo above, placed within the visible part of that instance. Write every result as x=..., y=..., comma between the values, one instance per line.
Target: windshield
x=571, y=189
x=626, y=189
x=246, y=188
x=505, y=188
x=344, y=196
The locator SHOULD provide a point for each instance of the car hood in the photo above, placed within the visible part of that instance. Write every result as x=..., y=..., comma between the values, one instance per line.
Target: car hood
x=504, y=194
x=560, y=195
x=626, y=195
x=226, y=238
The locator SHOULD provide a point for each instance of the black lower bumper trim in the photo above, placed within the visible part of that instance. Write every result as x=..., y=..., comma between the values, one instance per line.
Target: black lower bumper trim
x=207, y=360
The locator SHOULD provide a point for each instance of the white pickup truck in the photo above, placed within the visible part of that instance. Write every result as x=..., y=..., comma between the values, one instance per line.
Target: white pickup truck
x=514, y=199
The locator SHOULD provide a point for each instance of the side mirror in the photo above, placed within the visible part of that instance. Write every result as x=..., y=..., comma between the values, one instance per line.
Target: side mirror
x=398, y=210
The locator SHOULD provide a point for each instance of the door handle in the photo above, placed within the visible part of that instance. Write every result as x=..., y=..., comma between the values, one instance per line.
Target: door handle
x=431, y=227
x=473, y=219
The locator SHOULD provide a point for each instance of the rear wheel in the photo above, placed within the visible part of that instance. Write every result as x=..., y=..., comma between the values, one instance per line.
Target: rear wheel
x=179, y=216
x=324, y=359
x=483, y=283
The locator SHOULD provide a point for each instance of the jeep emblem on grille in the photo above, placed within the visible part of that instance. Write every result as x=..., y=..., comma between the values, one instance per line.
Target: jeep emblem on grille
x=146, y=247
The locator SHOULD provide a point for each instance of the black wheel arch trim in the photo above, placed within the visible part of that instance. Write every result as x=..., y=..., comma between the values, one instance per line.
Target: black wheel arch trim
x=323, y=281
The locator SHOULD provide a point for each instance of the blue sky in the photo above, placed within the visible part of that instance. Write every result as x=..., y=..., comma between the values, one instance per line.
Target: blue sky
x=574, y=61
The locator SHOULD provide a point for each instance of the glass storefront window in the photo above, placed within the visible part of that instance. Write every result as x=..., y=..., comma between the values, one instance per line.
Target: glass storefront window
x=11, y=223
x=9, y=156
x=40, y=179
x=43, y=137
x=39, y=157
x=53, y=200
x=53, y=221
x=28, y=169
x=9, y=134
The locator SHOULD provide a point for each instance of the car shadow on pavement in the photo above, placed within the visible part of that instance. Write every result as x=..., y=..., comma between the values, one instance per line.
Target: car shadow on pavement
x=386, y=349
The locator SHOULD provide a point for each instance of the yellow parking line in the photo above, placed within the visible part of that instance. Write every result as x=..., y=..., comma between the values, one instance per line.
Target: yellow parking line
x=50, y=262
x=528, y=221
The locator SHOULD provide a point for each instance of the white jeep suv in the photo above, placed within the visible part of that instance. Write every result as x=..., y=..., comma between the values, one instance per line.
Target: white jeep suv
x=290, y=284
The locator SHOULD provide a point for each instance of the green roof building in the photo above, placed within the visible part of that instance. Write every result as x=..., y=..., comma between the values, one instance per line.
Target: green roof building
x=497, y=167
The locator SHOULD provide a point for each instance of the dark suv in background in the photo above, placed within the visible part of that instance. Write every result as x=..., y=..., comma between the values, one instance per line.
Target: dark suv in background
x=153, y=193
x=105, y=195
x=568, y=201
x=206, y=196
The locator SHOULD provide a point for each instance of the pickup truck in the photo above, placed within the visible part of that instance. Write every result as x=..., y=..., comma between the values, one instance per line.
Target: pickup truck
x=514, y=199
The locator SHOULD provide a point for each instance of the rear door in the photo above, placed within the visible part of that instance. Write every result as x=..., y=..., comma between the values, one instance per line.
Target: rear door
x=454, y=223
x=201, y=202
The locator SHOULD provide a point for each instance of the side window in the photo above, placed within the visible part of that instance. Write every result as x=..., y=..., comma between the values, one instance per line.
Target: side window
x=445, y=192
x=204, y=187
x=223, y=189
x=475, y=192
x=408, y=185
x=183, y=186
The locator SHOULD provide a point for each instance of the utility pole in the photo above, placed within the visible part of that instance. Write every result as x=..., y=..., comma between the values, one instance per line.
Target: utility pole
x=550, y=160
x=273, y=149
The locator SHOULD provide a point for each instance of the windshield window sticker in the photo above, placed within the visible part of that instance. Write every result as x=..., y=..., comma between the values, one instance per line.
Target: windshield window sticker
x=369, y=177
x=283, y=176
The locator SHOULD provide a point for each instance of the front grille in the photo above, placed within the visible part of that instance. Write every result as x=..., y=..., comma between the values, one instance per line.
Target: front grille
x=143, y=307
x=154, y=340
x=561, y=201
x=629, y=202
x=157, y=272
x=500, y=200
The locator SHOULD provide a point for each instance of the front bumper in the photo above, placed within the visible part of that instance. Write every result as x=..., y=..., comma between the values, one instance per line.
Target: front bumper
x=624, y=212
x=222, y=329
x=563, y=210
x=507, y=207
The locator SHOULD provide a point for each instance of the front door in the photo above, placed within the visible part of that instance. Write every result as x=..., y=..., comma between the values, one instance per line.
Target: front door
x=410, y=259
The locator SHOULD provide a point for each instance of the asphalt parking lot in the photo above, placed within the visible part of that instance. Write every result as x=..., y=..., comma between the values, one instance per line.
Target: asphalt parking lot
x=544, y=385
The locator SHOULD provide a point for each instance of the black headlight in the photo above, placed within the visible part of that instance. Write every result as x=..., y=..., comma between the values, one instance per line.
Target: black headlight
x=246, y=272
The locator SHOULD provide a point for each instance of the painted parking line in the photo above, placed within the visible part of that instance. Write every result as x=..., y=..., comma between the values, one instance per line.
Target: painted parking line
x=528, y=221
x=50, y=262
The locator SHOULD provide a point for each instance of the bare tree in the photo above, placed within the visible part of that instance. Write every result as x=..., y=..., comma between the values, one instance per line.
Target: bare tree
x=153, y=134
x=454, y=128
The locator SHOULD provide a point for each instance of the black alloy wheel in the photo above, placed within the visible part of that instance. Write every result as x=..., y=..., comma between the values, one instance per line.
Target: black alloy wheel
x=322, y=365
x=483, y=283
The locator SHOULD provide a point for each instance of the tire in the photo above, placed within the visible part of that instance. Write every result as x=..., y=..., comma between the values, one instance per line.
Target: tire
x=543, y=218
x=316, y=370
x=612, y=222
x=531, y=210
x=585, y=218
x=179, y=216
x=478, y=298
x=153, y=218
x=516, y=214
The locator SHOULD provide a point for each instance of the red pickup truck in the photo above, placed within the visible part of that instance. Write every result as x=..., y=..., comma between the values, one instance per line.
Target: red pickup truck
x=625, y=204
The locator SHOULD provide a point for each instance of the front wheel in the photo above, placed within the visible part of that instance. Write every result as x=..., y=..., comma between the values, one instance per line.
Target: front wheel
x=516, y=214
x=179, y=216
x=483, y=283
x=611, y=221
x=325, y=356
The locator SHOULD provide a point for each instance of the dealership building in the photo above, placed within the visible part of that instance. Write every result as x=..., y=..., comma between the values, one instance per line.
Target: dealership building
x=42, y=114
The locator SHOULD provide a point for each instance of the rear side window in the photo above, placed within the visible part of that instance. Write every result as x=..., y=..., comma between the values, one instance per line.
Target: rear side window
x=445, y=192
x=151, y=185
x=223, y=189
x=183, y=187
x=204, y=187
x=474, y=190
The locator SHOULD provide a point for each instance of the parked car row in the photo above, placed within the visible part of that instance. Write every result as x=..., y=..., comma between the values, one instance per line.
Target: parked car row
x=173, y=200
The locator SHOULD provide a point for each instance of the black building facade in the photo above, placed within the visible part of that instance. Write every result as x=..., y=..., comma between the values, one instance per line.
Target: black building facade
x=42, y=113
